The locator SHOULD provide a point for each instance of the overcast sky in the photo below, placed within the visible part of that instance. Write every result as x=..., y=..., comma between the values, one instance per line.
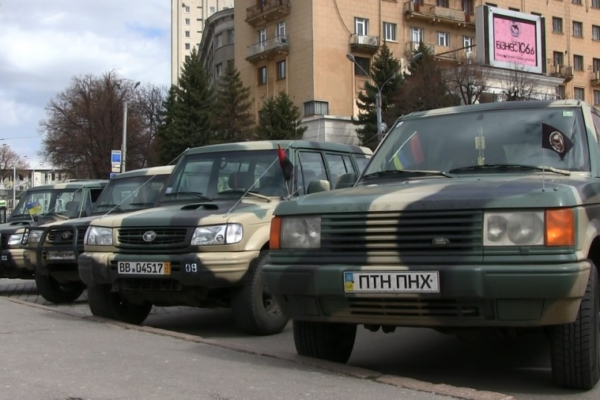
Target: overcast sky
x=45, y=43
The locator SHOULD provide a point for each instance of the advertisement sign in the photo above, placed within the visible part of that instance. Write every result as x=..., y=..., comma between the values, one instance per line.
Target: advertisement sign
x=115, y=160
x=511, y=39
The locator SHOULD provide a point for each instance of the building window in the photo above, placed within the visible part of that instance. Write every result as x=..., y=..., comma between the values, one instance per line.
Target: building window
x=187, y=34
x=576, y=2
x=443, y=3
x=187, y=9
x=187, y=46
x=579, y=93
x=361, y=26
x=230, y=36
x=262, y=36
x=577, y=29
x=262, y=76
x=360, y=64
x=443, y=39
x=218, y=70
x=557, y=25
x=281, y=29
x=467, y=6
x=212, y=10
x=596, y=64
x=558, y=58
x=468, y=42
x=281, y=70
x=389, y=32
x=578, y=63
x=316, y=108
x=417, y=35
x=595, y=3
x=596, y=97
x=187, y=21
x=595, y=32
x=219, y=39
x=560, y=92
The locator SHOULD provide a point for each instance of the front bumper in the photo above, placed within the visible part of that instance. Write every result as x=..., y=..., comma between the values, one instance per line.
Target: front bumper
x=206, y=270
x=12, y=263
x=470, y=296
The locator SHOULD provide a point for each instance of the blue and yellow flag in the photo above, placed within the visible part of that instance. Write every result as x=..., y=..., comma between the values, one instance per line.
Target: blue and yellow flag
x=34, y=208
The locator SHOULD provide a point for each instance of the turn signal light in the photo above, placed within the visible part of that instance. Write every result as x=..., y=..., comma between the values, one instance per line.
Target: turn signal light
x=560, y=227
x=274, y=240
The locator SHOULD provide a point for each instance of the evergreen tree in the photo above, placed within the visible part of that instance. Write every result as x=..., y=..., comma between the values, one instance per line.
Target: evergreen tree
x=385, y=72
x=232, y=120
x=279, y=119
x=188, y=108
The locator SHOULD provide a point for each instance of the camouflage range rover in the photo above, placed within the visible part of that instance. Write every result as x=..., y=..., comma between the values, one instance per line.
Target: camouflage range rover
x=481, y=216
x=204, y=246
x=51, y=250
x=40, y=205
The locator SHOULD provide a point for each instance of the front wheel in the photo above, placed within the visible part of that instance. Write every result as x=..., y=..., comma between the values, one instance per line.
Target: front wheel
x=55, y=292
x=107, y=304
x=255, y=310
x=327, y=341
x=575, y=352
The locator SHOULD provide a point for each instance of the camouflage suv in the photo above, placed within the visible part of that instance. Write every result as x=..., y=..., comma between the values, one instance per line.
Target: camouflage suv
x=51, y=250
x=40, y=205
x=205, y=245
x=481, y=216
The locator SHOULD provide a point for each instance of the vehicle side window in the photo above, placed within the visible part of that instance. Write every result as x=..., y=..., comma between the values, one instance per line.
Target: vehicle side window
x=338, y=165
x=94, y=194
x=313, y=167
x=362, y=162
x=596, y=119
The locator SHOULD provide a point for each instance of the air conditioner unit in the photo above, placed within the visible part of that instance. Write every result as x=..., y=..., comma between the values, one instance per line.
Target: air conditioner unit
x=373, y=41
x=566, y=71
x=361, y=39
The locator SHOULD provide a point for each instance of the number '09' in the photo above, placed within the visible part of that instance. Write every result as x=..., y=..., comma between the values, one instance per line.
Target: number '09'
x=191, y=267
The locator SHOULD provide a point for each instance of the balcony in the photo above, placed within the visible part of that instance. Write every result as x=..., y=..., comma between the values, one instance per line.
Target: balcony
x=595, y=81
x=266, y=11
x=438, y=15
x=268, y=49
x=560, y=71
x=365, y=44
x=411, y=47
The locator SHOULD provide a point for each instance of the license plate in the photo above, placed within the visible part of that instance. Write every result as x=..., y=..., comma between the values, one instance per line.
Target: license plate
x=144, y=268
x=392, y=282
x=61, y=255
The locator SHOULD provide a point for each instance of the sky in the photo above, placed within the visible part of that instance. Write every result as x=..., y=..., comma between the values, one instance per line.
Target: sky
x=44, y=44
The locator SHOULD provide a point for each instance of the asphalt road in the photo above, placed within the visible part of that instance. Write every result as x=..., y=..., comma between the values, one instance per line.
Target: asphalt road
x=518, y=367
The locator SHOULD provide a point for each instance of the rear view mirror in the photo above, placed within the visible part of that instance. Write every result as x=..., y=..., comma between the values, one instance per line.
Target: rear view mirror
x=318, y=186
x=346, y=180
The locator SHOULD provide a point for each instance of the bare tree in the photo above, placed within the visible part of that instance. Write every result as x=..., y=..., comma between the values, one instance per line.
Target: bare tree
x=518, y=85
x=468, y=80
x=9, y=160
x=85, y=122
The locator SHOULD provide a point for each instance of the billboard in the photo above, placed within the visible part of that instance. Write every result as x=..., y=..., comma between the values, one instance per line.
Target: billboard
x=510, y=39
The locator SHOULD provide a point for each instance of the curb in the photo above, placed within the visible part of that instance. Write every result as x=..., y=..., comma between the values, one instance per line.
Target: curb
x=356, y=372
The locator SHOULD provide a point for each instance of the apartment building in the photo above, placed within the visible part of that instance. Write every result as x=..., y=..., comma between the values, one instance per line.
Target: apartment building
x=302, y=46
x=188, y=18
x=217, y=46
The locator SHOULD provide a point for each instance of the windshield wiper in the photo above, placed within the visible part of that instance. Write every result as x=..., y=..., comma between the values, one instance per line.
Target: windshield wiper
x=506, y=167
x=195, y=194
x=141, y=204
x=407, y=172
x=244, y=192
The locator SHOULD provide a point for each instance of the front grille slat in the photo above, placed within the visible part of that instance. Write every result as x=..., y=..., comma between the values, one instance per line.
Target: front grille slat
x=415, y=307
x=164, y=236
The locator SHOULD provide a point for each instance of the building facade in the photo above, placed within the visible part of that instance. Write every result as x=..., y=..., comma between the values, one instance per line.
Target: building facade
x=302, y=46
x=188, y=18
x=217, y=46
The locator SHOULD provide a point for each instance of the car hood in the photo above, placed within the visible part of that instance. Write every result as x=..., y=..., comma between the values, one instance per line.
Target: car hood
x=462, y=193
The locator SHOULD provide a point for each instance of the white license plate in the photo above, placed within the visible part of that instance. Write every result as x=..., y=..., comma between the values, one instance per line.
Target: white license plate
x=144, y=268
x=61, y=255
x=392, y=282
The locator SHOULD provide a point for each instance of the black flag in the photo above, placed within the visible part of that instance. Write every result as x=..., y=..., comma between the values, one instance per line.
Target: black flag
x=555, y=140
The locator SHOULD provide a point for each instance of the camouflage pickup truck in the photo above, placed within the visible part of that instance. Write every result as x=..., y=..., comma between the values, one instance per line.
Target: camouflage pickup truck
x=41, y=205
x=51, y=250
x=480, y=216
x=204, y=246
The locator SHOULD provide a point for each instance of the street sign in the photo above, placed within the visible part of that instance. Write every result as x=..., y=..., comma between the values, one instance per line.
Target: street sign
x=112, y=175
x=115, y=160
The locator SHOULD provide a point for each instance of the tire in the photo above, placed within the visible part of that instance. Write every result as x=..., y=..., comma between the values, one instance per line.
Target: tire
x=55, y=292
x=327, y=341
x=106, y=304
x=255, y=310
x=575, y=352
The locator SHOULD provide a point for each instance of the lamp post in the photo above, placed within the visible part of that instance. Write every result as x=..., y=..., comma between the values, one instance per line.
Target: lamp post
x=14, y=187
x=377, y=96
x=124, y=140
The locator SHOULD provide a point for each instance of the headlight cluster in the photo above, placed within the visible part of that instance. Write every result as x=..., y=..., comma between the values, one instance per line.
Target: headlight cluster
x=300, y=233
x=218, y=234
x=32, y=236
x=99, y=236
x=15, y=239
x=514, y=228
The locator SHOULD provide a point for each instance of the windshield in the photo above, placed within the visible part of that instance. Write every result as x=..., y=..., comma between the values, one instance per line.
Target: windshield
x=66, y=202
x=129, y=194
x=456, y=143
x=226, y=175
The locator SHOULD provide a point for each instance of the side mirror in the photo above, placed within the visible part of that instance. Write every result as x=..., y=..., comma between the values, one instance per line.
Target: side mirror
x=346, y=180
x=318, y=186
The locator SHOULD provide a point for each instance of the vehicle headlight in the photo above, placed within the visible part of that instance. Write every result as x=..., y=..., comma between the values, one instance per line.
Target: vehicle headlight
x=33, y=236
x=300, y=233
x=15, y=239
x=96, y=235
x=218, y=234
x=514, y=228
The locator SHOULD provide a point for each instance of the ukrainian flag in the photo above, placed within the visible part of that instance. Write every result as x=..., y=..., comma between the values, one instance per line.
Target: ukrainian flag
x=409, y=155
x=34, y=208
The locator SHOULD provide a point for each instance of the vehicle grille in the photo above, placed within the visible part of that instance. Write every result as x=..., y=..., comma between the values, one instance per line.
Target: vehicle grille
x=409, y=307
x=164, y=236
x=55, y=236
x=407, y=232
